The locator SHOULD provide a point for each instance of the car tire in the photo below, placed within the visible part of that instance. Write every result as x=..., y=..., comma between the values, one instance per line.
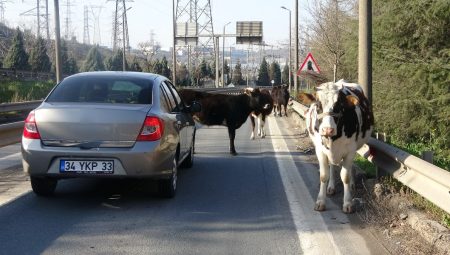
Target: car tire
x=188, y=162
x=168, y=187
x=43, y=186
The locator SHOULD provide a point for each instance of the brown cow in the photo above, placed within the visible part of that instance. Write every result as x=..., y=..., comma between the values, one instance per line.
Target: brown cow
x=224, y=110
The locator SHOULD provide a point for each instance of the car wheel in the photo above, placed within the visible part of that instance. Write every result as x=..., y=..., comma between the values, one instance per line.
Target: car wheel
x=43, y=186
x=168, y=187
x=188, y=162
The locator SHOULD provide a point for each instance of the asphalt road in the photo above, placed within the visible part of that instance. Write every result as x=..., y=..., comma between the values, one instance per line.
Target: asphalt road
x=259, y=202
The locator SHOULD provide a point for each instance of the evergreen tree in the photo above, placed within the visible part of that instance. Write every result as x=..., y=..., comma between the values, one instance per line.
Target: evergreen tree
x=237, y=74
x=275, y=73
x=135, y=66
x=156, y=67
x=39, y=60
x=263, y=74
x=16, y=57
x=68, y=62
x=115, y=61
x=183, y=76
x=94, y=60
x=166, y=72
x=70, y=66
x=211, y=70
x=226, y=71
x=285, y=74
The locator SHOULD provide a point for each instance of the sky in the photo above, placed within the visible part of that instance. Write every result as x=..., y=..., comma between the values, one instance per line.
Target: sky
x=147, y=16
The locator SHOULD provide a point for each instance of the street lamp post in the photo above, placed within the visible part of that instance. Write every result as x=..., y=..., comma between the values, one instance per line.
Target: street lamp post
x=57, y=43
x=223, y=55
x=296, y=47
x=290, y=47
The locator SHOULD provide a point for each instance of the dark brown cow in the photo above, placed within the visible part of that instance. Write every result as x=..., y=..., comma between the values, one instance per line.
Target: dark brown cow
x=280, y=95
x=224, y=110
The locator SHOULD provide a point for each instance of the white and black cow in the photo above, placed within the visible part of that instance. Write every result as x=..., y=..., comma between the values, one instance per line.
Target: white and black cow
x=226, y=110
x=260, y=115
x=339, y=122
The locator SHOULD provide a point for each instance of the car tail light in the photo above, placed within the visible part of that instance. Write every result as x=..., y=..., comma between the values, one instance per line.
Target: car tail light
x=152, y=129
x=30, y=130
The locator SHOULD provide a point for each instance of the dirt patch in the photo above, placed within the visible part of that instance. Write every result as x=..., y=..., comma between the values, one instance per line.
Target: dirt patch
x=387, y=210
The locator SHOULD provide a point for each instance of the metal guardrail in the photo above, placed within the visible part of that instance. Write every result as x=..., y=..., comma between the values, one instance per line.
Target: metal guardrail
x=23, y=106
x=428, y=180
x=11, y=132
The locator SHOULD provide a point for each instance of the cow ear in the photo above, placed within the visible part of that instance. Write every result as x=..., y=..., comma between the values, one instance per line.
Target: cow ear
x=306, y=98
x=352, y=101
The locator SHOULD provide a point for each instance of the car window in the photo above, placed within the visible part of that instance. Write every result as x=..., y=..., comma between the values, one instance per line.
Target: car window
x=175, y=93
x=103, y=89
x=164, y=102
x=172, y=101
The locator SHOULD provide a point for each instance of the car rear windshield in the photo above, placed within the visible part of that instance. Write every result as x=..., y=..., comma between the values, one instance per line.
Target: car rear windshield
x=101, y=89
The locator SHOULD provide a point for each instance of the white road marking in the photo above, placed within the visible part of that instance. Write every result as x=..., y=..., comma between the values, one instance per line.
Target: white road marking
x=313, y=234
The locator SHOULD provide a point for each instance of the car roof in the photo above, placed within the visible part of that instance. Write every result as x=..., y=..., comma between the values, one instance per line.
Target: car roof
x=141, y=75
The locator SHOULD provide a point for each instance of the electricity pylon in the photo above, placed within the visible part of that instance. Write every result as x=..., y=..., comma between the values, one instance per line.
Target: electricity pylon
x=120, y=38
x=41, y=13
x=197, y=13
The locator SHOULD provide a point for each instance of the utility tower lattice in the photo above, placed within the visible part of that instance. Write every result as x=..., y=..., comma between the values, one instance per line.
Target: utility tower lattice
x=86, y=37
x=67, y=20
x=96, y=10
x=120, y=38
x=41, y=12
x=198, y=12
x=2, y=11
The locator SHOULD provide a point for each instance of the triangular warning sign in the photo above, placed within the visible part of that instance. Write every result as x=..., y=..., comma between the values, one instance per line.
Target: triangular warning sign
x=309, y=65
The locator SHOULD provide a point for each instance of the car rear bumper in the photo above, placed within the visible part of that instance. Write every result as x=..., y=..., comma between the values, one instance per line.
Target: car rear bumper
x=143, y=160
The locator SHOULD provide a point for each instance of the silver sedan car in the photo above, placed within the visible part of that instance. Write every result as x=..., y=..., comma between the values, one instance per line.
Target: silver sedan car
x=109, y=124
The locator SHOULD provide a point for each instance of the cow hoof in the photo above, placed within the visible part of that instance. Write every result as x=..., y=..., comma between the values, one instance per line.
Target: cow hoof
x=320, y=206
x=233, y=153
x=347, y=208
x=331, y=191
x=252, y=137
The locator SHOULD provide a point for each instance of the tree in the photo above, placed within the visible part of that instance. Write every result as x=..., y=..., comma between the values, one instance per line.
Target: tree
x=285, y=74
x=135, y=66
x=115, y=61
x=263, y=74
x=16, y=57
x=183, y=76
x=68, y=62
x=70, y=66
x=165, y=69
x=94, y=60
x=329, y=31
x=237, y=74
x=39, y=60
x=275, y=73
x=226, y=71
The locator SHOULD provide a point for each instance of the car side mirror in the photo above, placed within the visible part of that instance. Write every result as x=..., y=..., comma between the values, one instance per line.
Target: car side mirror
x=195, y=107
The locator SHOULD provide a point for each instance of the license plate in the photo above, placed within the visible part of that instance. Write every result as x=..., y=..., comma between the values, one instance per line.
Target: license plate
x=87, y=166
